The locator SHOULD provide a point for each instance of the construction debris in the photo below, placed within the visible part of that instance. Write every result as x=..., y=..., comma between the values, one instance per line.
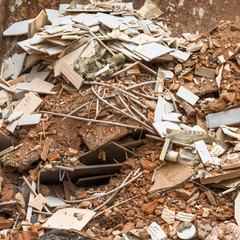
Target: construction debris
x=116, y=123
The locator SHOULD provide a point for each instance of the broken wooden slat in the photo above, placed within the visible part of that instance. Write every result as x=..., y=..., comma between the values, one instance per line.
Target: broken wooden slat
x=28, y=104
x=31, y=197
x=71, y=75
x=164, y=149
x=37, y=23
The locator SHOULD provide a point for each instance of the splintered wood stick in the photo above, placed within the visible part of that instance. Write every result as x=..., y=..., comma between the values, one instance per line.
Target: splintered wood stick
x=148, y=69
x=102, y=43
x=125, y=69
x=34, y=192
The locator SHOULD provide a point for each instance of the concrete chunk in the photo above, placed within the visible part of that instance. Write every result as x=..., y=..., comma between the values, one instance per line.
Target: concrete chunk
x=205, y=72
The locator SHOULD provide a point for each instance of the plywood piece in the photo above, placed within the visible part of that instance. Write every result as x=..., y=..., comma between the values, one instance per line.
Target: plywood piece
x=31, y=197
x=89, y=51
x=71, y=75
x=171, y=176
x=37, y=23
x=65, y=219
x=69, y=58
x=38, y=202
x=28, y=104
x=203, y=152
x=187, y=95
x=8, y=89
x=31, y=60
x=40, y=85
x=59, y=42
x=3, y=81
x=55, y=50
x=4, y=97
x=17, y=29
x=18, y=61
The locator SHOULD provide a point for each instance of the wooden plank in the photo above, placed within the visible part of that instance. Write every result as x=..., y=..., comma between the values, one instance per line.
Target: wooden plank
x=38, y=202
x=164, y=149
x=40, y=85
x=37, y=23
x=45, y=150
x=28, y=104
x=31, y=197
x=3, y=81
x=71, y=75
x=69, y=58
x=18, y=61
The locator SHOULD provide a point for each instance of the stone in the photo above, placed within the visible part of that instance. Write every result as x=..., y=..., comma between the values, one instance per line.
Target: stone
x=183, y=193
x=127, y=227
x=54, y=156
x=149, y=208
x=229, y=96
x=85, y=204
x=147, y=165
x=217, y=105
x=20, y=200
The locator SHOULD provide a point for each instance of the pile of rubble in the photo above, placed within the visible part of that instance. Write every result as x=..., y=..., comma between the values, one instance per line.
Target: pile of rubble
x=104, y=91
